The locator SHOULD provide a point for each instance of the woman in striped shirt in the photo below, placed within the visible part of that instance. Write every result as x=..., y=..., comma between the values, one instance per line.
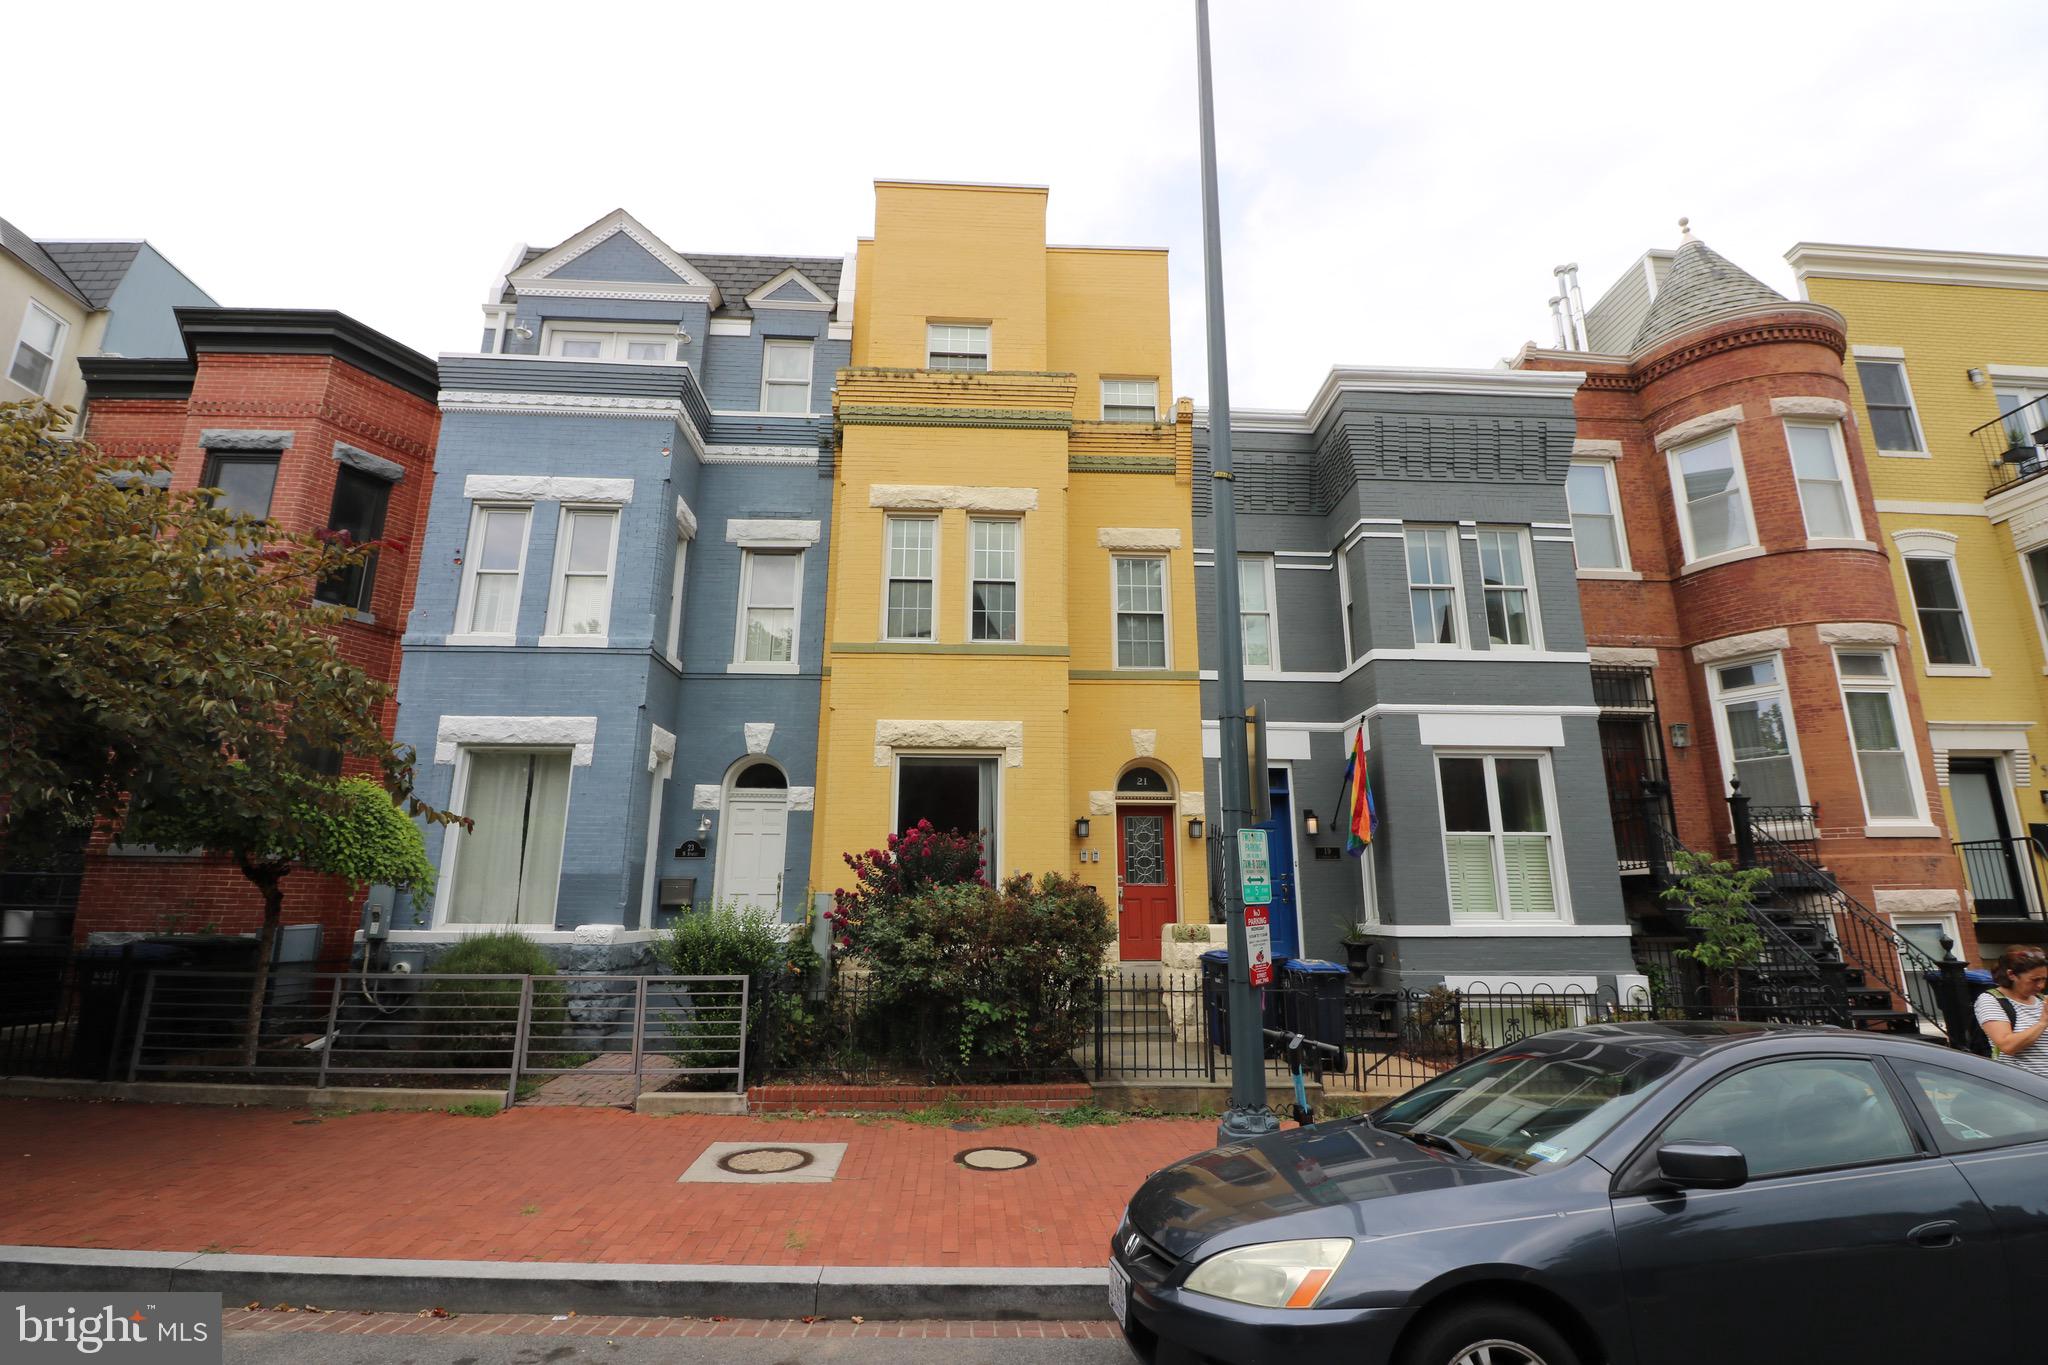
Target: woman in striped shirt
x=2012, y=1015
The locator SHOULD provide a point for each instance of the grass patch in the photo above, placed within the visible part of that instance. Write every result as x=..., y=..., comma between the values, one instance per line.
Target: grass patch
x=529, y=1209
x=1089, y=1115
x=475, y=1109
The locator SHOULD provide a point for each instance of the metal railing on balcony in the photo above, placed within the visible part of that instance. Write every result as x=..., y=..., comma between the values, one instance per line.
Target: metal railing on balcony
x=2015, y=444
x=2004, y=876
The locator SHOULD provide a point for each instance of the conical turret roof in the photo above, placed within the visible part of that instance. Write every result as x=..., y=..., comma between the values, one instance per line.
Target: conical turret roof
x=1701, y=284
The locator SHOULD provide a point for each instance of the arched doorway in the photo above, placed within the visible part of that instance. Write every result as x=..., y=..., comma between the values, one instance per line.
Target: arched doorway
x=753, y=836
x=1147, y=883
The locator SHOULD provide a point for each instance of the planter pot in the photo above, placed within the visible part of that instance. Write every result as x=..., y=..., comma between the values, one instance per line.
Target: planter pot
x=1358, y=957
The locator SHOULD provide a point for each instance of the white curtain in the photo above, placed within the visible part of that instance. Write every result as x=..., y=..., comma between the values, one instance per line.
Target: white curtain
x=508, y=867
x=546, y=817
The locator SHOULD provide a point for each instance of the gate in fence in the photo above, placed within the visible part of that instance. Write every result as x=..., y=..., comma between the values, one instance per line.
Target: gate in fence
x=569, y=1039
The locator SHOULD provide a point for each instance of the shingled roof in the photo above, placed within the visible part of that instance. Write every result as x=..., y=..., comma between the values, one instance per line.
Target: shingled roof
x=95, y=267
x=26, y=249
x=735, y=276
x=1702, y=284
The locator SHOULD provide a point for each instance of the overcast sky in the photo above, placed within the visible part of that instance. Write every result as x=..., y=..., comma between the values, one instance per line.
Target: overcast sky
x=1398, y=179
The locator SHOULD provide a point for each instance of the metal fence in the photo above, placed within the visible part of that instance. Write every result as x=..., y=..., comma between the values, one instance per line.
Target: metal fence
x=617, y=1034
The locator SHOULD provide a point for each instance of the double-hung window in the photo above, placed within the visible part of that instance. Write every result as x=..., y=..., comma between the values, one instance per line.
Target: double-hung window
x=992, y=570
x=786, y=376
x=911, y=609
x=1256, y=612
x=1890, y=402
x=1877, y=725
x=1130, y=400
x=1597, y=538
x=770, y=581
x=246, y=484
x=1757, y=734
x=582, y=598
x=1713, y=501
x=1140, y=612
x=1510, y=600
x=956, y=346
x=1820, y=462
x=493, y=566
x=675, y=601
x=357, y=514
x=1938, y=605
x=36, y=350
x=1433, y=585
x=1499, y=836
x=508, y=865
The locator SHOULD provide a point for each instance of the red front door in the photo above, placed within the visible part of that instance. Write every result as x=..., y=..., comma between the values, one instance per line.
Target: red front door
x=1144, y=865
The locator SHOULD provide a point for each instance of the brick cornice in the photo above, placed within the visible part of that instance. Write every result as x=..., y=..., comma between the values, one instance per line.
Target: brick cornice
x=337, y=418
x=1768, y=331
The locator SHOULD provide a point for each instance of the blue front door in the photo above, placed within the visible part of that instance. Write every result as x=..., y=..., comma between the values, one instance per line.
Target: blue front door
x=1280, y=847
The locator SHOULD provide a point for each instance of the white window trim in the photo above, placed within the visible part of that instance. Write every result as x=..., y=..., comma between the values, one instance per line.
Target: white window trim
x=967, y=603
x=1271, y=613
x=1560, y=889
x=739, y=662
x=1975, y=668
x=988, y=328
x=1627, y=565
x=1892, y=355
x=1102, y=394
x=2040, y=604
x=1718, y=697
x=1901, y=724
x=552, y=636
x=472, y=555
x=1457, y=557
x=610, y=336
x=1521, y=534
x=1344, y=602
x=1842, y=475
x=451, y=846
x=1165, y=611
x=1947, y=922
x=56, y=356
x=661, y=763
x=678, y=585
x=1683, y=507
x=810, y=350
x=887, y=578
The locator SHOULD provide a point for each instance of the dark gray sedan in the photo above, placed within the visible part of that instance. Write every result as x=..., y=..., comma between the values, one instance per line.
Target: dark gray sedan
x=1621, y=1194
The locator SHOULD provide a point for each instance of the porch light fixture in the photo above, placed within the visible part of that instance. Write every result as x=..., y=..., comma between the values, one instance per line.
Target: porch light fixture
x=1310, y=823
x=1681, y=734
x=1081, y=828
x=1194, y=827
x=1976, y=376
x=522, y=331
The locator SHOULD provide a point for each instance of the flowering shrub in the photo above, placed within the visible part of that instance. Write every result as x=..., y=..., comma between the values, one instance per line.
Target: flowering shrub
x=913, y=860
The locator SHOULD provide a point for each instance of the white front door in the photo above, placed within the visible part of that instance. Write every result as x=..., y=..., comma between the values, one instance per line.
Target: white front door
x=751, y=849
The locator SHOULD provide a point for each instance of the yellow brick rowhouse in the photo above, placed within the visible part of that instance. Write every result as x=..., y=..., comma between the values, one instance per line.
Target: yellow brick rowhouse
x=1949, y=370
x=1010, y=628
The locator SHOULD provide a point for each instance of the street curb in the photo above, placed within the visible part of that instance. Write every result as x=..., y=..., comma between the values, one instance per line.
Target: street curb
x=878, y=1293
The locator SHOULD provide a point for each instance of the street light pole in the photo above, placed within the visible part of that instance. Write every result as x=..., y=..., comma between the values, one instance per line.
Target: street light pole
x=1247, y=1115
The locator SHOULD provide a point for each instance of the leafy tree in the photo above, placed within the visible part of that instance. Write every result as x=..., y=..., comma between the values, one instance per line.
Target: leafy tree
x=164, y=668
x=1719, y=900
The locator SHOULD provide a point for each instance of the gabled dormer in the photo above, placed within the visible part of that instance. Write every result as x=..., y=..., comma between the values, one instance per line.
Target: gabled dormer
x=791, y=289
x=616, y=257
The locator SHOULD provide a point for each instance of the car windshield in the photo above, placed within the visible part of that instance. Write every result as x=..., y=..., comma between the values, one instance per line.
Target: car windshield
x=1528, y=1106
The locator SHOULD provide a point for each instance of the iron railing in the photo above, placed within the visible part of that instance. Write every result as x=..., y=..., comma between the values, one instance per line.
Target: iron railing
x=2004, y=876
x=510, y=1033
x=2015, y=444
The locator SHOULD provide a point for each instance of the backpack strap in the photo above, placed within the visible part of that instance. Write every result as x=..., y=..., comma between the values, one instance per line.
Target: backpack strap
x=2012, y=1011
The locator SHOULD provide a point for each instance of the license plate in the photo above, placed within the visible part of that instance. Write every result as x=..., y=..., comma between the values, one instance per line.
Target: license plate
x=1119, y=1293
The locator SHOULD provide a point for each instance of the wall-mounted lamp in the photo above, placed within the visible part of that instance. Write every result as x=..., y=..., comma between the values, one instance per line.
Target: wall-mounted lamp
x=522, y=331
x=683, y=337
x=1194, y=827
x=1081, y=828
x=1681, y=734
x=1310, y=823
x=1977, y=376
x=704, y=824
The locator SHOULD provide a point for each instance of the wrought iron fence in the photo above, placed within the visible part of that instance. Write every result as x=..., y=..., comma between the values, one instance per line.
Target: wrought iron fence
x=2004, y=876
x=507, y=1033
x=2015, y=444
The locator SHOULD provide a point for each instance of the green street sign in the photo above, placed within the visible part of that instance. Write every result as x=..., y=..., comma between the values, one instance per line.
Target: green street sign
x=1254, y=867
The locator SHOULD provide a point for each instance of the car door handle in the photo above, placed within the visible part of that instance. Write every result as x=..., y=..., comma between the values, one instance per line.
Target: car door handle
x=1943, y=1234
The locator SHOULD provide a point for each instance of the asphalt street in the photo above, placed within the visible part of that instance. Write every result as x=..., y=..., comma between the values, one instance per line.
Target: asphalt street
x=300, y=1348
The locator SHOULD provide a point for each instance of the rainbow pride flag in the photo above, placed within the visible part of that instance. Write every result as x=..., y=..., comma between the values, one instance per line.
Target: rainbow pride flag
x=1361, y=817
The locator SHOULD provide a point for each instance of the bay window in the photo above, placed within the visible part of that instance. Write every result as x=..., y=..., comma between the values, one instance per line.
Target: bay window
x=1757, y=737
x=581, y=602
x=1713, y=500
x=1598, y=541
x=1821, y=465
x=493, y=565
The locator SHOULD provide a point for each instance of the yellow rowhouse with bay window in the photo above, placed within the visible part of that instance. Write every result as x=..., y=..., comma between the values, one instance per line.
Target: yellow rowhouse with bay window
x=1010, y=612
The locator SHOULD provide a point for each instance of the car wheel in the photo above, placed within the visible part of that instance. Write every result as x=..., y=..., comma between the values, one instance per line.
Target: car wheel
x=1488, y=1334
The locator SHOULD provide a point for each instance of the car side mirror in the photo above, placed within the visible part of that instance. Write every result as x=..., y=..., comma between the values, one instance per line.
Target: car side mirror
x=1702, y=1165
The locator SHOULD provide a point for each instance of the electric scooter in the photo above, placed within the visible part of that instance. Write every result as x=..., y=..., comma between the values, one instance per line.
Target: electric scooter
x=1294, y=1047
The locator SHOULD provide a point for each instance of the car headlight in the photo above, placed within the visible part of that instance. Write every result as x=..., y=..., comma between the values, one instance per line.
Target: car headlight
x=1272, y=1274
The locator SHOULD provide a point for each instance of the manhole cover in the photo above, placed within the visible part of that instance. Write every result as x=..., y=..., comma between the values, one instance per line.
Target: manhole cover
x=995, y=1159
x=764, y=1161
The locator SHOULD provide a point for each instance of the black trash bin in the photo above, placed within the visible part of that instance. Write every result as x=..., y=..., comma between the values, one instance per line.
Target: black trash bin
x=1977, y=981
x=1315, y=1000
x=1216, y=997
x=106, y=977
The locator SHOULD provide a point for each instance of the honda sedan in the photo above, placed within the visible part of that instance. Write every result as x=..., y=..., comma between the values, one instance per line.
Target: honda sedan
x=1620, y=1194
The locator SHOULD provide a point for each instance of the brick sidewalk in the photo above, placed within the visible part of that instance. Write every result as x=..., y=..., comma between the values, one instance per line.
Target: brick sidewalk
x=548, y=1325
x=559, y=1185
